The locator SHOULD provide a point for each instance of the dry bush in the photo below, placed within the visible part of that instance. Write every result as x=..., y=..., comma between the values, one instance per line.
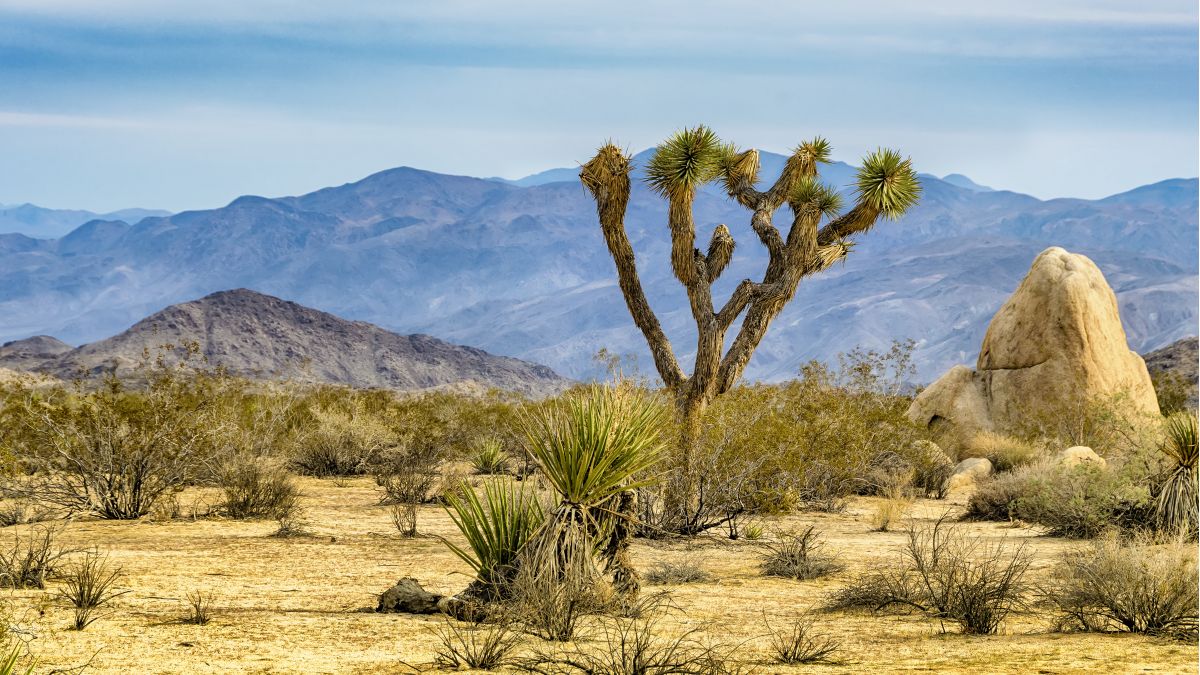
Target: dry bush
x=256, y=487
x=31, y=559
x=115, y=452
x=889, y=511
x=485, y=646
x=1139, y=586
x=404, y=517
x=948, y=575
x=1003, y=451
x=995, y=498
x=685, y=572
x=341, y=441
x=293, y=523
x=799, y=556
x=634, y=647
x=90, y=584
x=199, y=608
x=1107, y=424
x=801, y=643
x=931, y=470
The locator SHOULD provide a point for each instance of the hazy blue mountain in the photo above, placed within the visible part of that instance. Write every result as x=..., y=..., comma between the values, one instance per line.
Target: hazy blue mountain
x=524, y=272
x=43, y=223
x=959, y=180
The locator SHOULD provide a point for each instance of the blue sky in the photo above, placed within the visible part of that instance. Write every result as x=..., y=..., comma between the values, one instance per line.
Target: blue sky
x=182, y=104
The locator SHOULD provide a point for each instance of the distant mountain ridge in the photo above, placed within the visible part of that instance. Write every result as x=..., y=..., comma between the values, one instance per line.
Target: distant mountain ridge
x=523, y=271
x=259, y=335
x=42, y=223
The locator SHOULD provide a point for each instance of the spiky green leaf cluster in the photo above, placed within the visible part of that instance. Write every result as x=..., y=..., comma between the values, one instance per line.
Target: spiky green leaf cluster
x=810, y=193
x=686, y=160
x=887, y=183
x=815, y=151
x=594, y=444
x=496, y=527
x=1177, y=497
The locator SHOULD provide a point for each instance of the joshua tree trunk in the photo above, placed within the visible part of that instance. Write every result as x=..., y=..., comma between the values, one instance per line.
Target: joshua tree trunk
x=887, y=186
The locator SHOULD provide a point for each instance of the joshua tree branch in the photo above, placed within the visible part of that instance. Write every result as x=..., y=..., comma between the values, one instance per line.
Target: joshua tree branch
x=607, y=177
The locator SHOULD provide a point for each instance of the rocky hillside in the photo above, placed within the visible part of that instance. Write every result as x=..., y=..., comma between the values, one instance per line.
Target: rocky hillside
x=262, y=336
x=1180, y=360
x=522, y=270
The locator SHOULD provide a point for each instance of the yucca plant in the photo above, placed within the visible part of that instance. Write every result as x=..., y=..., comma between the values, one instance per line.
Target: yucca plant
x=489, y=457
x=8, y=663
x=1177, y=495
x=496, y=528
x=594, y=448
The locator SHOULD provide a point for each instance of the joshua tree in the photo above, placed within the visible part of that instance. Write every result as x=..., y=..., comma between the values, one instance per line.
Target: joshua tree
x=886, y=186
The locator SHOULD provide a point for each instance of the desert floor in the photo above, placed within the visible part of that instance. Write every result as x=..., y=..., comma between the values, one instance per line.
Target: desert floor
x=304, y=604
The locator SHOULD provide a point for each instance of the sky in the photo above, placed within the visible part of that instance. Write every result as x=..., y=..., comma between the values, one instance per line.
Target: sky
x=180, y=104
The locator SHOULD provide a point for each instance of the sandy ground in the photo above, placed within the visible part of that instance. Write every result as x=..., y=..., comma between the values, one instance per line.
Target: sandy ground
x=303, y=605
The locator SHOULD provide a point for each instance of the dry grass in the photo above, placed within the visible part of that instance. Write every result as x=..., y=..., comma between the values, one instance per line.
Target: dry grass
x=294, y=605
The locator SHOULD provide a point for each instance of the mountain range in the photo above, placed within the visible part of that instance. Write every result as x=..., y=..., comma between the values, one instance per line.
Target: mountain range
x=44, y=223
x=520, y=268
x=258, y=335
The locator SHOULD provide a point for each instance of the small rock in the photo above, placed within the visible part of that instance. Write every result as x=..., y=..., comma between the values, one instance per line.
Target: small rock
x=408, y=597
x=1080, y=454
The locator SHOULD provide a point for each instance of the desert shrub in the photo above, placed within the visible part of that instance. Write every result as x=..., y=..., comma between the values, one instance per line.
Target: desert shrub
x=931, y=470
x=684, y=572
x=1003, y=451
x=995, y=498
x=291, y=524
x=199, y=608
x=801, y=643
x=1078, y=501
x=485, y=646
x=948, y=575
x=634, y=647
x=1176, y=505
x=341, y=441
x=1082, y=501
x=114, y=452
x=496, y=528
x=31, y=558
x=889, y=511
x=799, y=556
x=256, y=487
x=1138, y=586
x=90, y=584
x=769, y=449
x=489, y=457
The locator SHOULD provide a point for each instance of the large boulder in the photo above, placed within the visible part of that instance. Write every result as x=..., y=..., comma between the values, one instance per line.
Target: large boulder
x=1057, y=340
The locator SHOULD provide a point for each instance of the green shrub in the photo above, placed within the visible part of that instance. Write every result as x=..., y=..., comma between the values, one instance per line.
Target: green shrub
x=342, y=442
x=1083, y=501
x=1140, y=587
